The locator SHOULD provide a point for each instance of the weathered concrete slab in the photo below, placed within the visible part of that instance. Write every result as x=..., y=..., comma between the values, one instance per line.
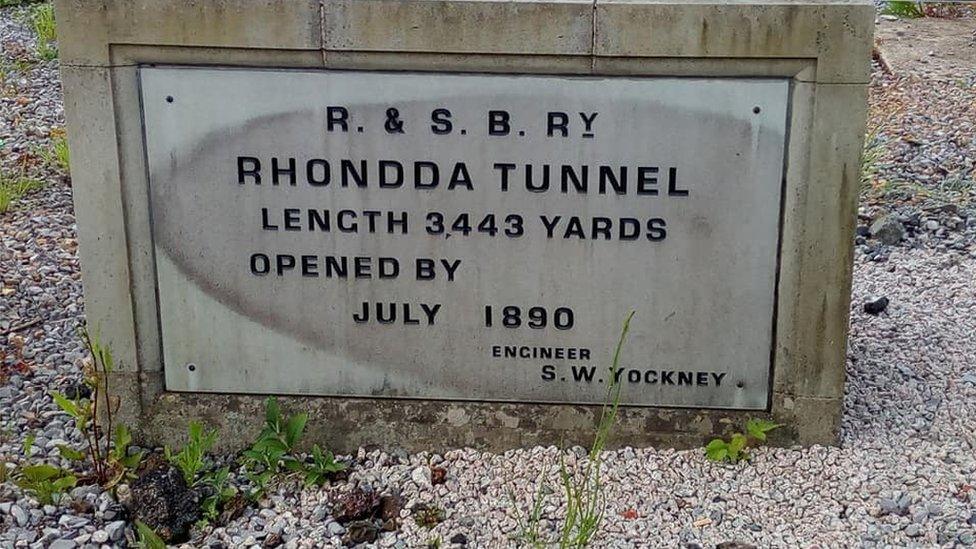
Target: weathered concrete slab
x=822, y=62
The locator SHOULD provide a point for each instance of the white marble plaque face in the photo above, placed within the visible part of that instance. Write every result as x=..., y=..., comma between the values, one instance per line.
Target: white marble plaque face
x=465, y=237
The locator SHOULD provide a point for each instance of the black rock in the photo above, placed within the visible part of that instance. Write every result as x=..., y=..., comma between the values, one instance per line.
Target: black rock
x=389, y=507
x=735, y=545
x=356, y=505
x=972, y=519
x=361, y=531
x=162, y=500
x=863, y=230
x=888, y=229
x=459, y=539
x=876, y=306
x=75, y=391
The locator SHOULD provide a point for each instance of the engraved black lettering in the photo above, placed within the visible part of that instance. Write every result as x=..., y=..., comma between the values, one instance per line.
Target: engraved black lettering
x=451, y=267
x=265, y=224
x=315, y=180
x=349, y=172
x=441, y=119
x=336, y=116
x=419, y=168
x=498, y=123
x=284, y=262
x=460, y=176
x=629, y=228
x=277, y=171
x=425, y=269
x=362, y=267
x=656, y=230
x=260, y=264
x=504, y=168
x=248, y=166
x=389, y=267
x=387, y=180
x=557, y=121
x=646, y=180
x=673, y=189
x=293, y=219
x=548, y=372
x=550, y=224
x=618, y=183
x=431, y=312
x=579, y=181
x=310, y=266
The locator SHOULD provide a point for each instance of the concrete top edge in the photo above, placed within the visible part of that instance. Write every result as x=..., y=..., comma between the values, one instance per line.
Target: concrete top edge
x=656, y=2
x=815, y=3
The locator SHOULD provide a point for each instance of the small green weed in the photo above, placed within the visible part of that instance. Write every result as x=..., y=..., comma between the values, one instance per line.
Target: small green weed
x=190, y=459
x=62, y=156
x=584, y=495
x=735, y=449
x=428, y=515
x=147, y=538
x=12, y=190
x=47, y=31
x=219, y=493
x=273, y=447
x=23, y=65
x=322, y=468
x=872, y=153
x=28, y=444
x=46, y=483
x=904, y=8
x=109, y=455
x=528, y=526
x=57, y=155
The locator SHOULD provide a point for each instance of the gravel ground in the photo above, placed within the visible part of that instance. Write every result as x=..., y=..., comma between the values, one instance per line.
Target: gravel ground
x=904, y=475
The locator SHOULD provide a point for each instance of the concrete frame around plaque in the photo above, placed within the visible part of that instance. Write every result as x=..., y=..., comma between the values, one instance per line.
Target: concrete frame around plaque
x=821, y=49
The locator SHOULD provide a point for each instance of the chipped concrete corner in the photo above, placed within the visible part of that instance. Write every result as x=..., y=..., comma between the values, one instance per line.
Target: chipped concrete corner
x=825, y=56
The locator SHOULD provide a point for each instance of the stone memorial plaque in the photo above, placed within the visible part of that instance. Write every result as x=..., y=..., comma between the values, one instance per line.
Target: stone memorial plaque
x=465, y=236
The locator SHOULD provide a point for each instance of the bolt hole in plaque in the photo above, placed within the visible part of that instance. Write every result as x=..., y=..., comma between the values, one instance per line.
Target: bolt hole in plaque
x=466, y=236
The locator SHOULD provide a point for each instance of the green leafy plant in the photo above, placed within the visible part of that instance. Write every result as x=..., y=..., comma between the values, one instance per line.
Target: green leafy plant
x=8, y=464
x=584, y=493
x=735, y=449
x=12, y=190
x=46, y=483
x=428, y=515
x=57, y=156
x=190, y=460
x=23, y=65
x=107, y=444
x=147, y=538
x=904, y=8
x=273, y=447
x=47, y=32
x=871, y=154
x=28, y=444
x=322, y=467
x=62, y=156
x=219, y=493
x=529, y=526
